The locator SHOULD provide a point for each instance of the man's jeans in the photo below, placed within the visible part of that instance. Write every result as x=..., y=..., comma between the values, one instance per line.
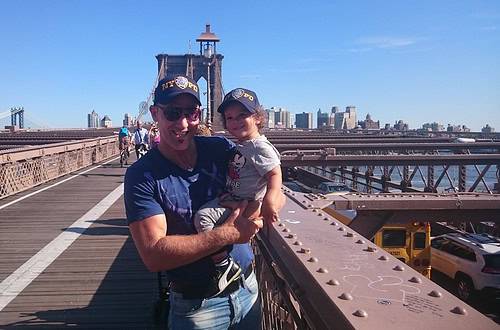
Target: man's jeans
x=239, y=310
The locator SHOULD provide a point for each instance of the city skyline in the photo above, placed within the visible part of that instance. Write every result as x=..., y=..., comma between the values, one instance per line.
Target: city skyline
x=307, y=120
x=418, y=62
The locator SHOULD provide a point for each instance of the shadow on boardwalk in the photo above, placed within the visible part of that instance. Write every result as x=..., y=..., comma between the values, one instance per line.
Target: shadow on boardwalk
x=124, y=299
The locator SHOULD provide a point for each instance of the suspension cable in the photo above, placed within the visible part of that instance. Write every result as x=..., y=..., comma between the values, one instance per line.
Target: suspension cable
x=149, y=100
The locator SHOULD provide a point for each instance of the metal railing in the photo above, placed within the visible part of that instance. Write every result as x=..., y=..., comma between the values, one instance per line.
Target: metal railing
x=419, y=172
x=316, y=273
x=23, y=168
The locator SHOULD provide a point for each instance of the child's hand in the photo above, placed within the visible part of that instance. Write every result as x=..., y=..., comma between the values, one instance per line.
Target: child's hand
x=269, y=212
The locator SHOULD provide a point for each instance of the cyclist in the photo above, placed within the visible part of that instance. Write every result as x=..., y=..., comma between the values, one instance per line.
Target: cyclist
x=123, y=137
x=140, y=139
x=124, y=141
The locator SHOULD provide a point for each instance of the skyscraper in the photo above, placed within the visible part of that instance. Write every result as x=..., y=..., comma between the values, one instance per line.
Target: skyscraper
x=323, y=119
x=347, y=119
x=281, y=118
x=93, y=119
x=270, y=118
x=128, y=120
x=304, y=120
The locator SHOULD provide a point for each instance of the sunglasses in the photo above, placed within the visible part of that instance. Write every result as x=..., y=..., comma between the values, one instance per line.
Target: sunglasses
x=175, y=113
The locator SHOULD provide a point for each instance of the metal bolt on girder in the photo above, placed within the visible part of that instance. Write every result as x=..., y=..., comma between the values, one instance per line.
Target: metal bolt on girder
x=333, y=282
x=333, y=223
x=360, y=313
x=349, y=235
x=360, y=241
x=399, y=268
x=371, y=249
x=326, y=219
x=322, y=270
x=286, y=230
x=341, y=229
x=346, y=296
x=299, y=243
x=281, y=224
x=313, y=259
x=435, y=294
x=459, y=310
x=416, y=280
x=383, y=258
x=305, y=250
x=320, y=214
x=291, y=236
x=310, y=205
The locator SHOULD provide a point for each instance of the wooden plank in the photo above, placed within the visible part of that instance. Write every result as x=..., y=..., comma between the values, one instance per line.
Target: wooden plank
x=99, y=282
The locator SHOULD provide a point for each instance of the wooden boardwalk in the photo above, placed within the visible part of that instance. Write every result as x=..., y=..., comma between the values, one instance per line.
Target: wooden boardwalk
x=97, y=282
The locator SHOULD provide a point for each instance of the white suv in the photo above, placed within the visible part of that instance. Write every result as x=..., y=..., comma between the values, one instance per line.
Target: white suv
x=472, y=260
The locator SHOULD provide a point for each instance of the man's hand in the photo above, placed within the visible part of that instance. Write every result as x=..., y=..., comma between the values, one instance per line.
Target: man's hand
x=241, y=229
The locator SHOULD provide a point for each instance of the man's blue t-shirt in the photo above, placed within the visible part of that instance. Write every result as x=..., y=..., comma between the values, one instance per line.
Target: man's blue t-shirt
x=154, y=185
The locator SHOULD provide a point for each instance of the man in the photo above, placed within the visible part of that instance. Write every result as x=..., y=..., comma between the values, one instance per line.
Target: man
x=123, y=137
x=162, y=192
x=140, y=138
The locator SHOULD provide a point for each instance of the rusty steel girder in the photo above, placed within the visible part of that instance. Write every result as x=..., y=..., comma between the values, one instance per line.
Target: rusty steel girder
x=343, y=147
x=341, y=280
x=309, y=158
x=372, y=211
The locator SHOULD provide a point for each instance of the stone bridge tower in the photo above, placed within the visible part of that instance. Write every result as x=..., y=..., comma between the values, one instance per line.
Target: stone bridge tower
x=208, y=64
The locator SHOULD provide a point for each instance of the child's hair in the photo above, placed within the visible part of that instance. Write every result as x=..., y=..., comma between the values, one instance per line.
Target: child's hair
x=203, y=130
x=260, y=115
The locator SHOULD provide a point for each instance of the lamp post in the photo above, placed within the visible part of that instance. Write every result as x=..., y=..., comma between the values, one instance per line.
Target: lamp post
x=208, y=49
x=209, y=98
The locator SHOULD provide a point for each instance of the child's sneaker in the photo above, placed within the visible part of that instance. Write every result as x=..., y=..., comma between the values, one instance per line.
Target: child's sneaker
x=226, y=272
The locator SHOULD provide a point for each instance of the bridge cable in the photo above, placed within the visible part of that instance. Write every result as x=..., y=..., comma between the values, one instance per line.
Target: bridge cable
x=149, y=100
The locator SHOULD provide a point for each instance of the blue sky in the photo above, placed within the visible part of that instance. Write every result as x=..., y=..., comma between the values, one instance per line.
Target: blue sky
x=419, y=61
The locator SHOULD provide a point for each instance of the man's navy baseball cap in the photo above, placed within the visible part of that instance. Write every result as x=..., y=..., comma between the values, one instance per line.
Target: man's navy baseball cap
x=245, y=97
x=168, y=88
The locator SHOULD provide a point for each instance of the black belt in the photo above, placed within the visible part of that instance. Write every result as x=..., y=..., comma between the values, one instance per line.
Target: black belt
x=197, y=291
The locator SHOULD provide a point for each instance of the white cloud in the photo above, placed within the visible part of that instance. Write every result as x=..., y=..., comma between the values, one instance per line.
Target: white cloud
x=250, y=76
x=488, y=28
x=359, y=49
x=385, y=42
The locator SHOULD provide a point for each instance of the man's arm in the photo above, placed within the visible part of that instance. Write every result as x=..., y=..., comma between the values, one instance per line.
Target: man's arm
x=274, y=199
x=160, y=252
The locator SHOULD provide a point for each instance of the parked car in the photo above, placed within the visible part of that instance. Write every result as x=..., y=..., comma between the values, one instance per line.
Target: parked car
x=293, y=185
x=333, y=188
x=472, y=260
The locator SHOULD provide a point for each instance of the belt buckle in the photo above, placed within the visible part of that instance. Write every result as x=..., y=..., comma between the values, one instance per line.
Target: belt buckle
x=232, y=287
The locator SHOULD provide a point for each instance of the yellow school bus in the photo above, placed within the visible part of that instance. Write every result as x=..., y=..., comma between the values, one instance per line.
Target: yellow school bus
x=410, y=242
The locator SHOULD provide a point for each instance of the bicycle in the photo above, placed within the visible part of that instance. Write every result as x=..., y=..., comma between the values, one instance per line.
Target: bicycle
x=124, y=151
x=124, y=154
